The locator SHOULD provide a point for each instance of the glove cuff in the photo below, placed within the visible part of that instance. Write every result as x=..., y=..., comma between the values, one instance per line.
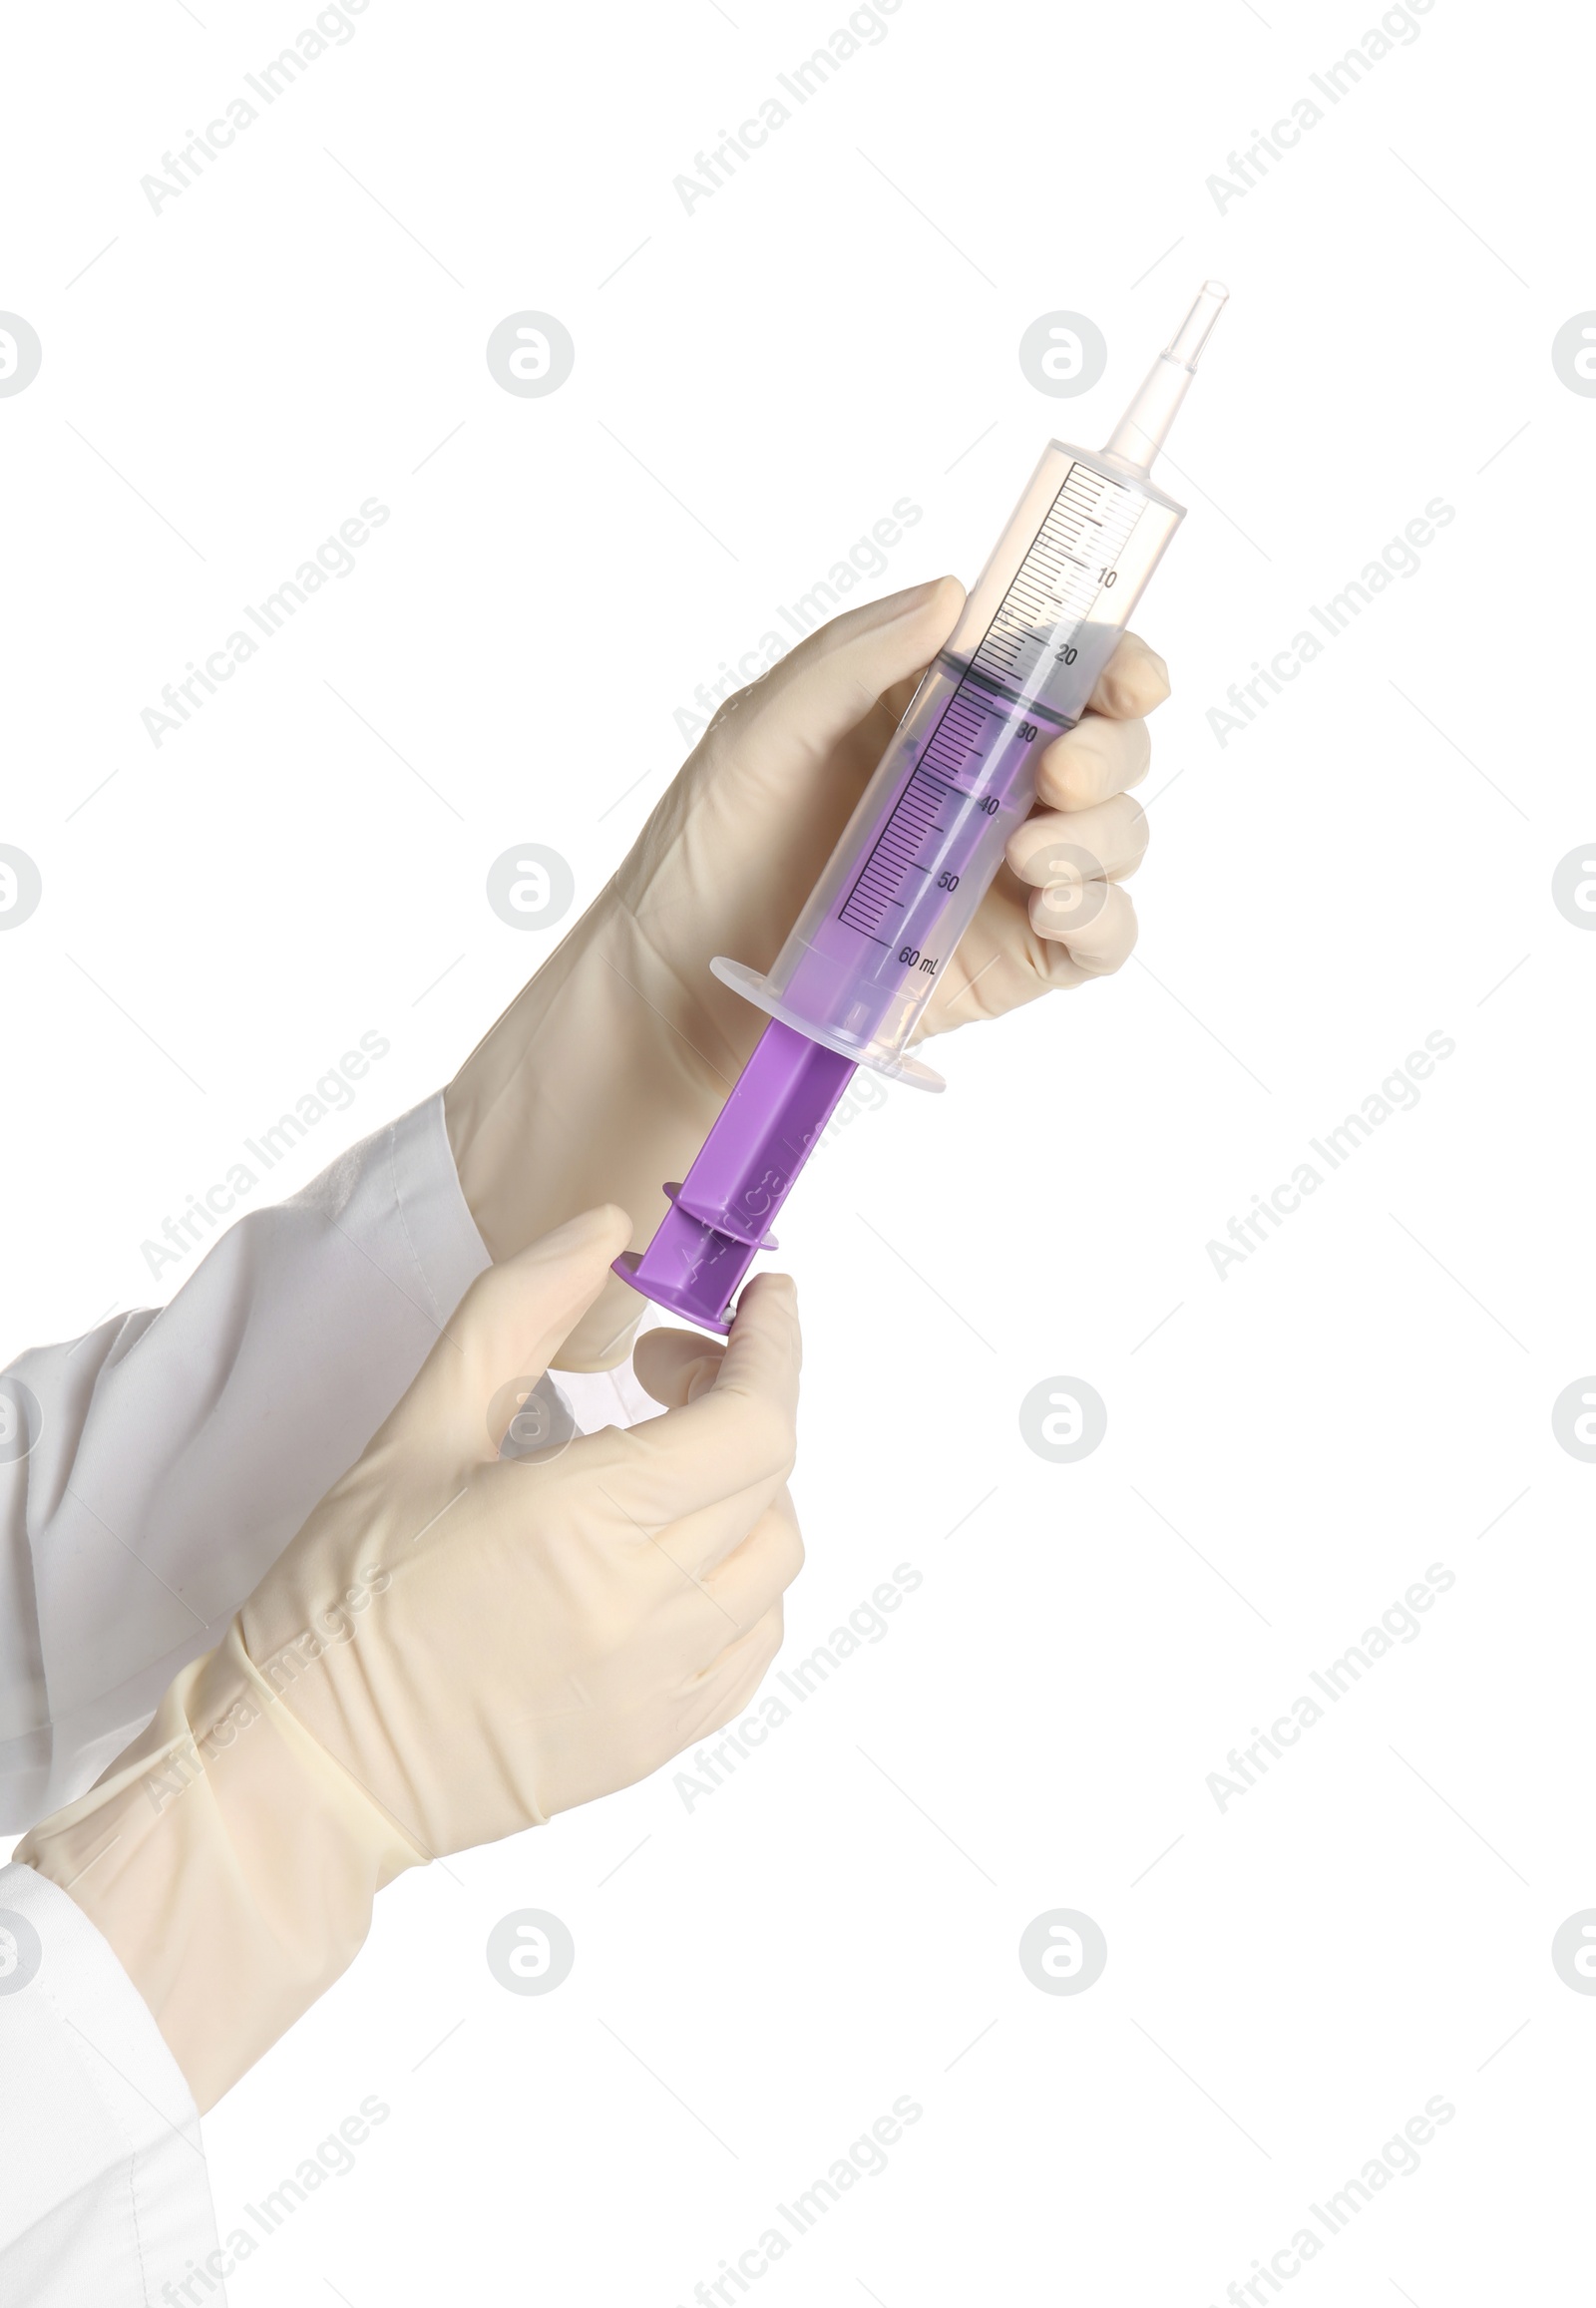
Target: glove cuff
x=231, y=1863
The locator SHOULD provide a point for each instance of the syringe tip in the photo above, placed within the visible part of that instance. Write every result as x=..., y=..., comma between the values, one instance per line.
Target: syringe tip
x=1136, y=440
x=1188, y=340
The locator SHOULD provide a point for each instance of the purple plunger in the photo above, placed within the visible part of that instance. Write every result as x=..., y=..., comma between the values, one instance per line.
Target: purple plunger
x=720, y=1213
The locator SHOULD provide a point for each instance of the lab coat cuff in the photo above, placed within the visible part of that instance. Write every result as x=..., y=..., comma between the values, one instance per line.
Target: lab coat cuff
x=105, y=2195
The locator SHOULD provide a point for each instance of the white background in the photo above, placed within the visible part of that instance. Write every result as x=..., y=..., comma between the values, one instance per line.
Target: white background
x=1368, y=864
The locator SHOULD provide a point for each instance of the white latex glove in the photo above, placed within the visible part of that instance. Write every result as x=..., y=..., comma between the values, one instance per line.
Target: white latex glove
x=455, y=1647
x=603, y=1076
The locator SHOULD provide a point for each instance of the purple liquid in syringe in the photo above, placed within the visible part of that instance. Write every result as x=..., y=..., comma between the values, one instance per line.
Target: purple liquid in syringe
x=959, y=775
x=969, y=778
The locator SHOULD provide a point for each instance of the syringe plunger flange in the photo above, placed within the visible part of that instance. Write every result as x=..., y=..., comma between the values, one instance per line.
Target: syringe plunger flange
x=721, y=1214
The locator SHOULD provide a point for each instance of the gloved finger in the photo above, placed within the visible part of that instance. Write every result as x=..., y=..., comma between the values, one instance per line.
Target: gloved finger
x=506, y=1329
x=675, y=1366
x=1134, y=681
x=1097, y=758
x=727, y=1686
x=696, y=1545
x=798, y=711
x=1105, y=843
x=1098, y=933
x=754, y=1575
x=739, y=1436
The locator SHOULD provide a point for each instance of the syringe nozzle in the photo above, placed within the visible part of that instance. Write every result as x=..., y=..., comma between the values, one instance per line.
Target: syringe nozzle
x=1188, y=340
x=1136, y=440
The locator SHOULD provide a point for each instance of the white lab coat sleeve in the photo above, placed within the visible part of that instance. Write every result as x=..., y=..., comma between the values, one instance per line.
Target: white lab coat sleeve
x=175, y=1455
x=177, y=1451
x=104, y=2197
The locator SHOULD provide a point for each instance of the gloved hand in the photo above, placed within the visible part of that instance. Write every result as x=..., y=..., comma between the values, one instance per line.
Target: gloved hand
x=603, y=1076
x=454, y=1647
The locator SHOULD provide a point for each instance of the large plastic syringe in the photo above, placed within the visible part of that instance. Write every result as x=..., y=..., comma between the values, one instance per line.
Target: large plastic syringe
x=919, y=851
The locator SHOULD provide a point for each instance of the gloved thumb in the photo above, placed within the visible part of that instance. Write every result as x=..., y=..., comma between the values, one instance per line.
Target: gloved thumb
x=825, y=688
x=675, y=1366
x=501, y=1338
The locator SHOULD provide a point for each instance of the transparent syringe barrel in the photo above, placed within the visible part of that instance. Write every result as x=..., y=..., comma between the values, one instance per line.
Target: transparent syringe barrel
x=921, y=849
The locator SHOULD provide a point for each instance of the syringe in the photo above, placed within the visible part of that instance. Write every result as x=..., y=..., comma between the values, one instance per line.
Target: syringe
x=921, y=849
